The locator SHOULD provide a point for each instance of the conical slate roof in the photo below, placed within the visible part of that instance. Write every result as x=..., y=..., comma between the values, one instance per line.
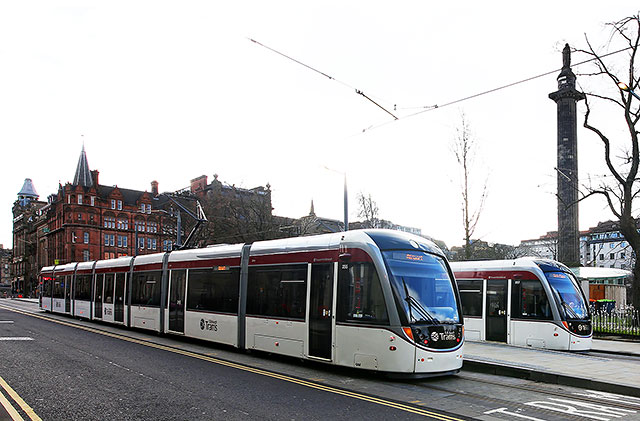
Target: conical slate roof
x=28, y=190
x=83, y=174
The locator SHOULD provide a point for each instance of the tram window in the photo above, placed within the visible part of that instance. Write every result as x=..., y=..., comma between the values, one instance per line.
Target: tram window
x=58, y=287
x=145, y=288
x=213, y=290
x=529, y=300
x=83, y=287
x=108, y=288
x=360, y=297
x=277, y=291
x=471, y=297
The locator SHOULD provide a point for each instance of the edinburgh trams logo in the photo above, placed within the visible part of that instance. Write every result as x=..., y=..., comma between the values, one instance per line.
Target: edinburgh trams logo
x=209, y=325
x=447, y=335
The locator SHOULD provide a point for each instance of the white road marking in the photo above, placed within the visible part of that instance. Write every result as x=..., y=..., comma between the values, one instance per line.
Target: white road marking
x=609, y=396
x=515, y=414
x=581, y=409
x=15, y=338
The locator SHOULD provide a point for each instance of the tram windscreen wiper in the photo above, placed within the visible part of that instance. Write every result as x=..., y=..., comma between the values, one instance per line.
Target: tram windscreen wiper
x=417, y=306
x=568, y=309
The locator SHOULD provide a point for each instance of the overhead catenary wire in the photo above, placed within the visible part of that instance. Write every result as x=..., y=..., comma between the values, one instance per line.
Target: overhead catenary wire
x=358, y=91
x=427, y=108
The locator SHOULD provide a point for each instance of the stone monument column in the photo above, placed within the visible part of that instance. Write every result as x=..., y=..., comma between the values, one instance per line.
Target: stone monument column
x=566, y=98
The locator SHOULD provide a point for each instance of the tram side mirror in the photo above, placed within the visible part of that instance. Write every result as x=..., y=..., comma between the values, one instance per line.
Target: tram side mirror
x=345, y=257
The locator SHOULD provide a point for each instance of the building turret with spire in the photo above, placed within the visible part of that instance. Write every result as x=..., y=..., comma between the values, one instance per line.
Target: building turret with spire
x=27, y=193
x=83, y=174
x=28, y=221
x=566, y=98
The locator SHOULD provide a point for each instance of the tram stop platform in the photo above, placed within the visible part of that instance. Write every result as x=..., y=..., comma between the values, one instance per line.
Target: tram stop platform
x=611, y=366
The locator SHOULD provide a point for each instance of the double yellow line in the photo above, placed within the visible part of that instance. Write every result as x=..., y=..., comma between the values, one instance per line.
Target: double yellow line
x=13, y=413
x=302, y=382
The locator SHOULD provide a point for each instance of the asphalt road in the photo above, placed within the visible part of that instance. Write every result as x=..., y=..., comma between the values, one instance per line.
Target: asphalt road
x=66, y=373
x=65, y=369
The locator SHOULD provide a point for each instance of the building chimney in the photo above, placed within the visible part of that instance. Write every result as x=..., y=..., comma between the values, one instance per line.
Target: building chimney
x=154, y=188
x=199, y=183
x=94, y=176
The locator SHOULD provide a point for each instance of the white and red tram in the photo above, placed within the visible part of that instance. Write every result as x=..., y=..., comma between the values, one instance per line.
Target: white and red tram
x=527, y=302
x=372, y=299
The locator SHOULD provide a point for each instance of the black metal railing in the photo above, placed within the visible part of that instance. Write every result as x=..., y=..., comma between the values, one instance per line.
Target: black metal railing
x=624, y=321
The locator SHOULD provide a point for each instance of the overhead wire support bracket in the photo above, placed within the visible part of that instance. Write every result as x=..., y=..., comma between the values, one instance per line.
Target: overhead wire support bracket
x=380, y=106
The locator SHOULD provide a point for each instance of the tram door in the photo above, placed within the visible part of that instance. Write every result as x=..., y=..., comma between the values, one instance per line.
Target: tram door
x=118, y=299
x=320, y=311
x=496, y=310
x=176, y=300
x=67, y=294
x=98, y=296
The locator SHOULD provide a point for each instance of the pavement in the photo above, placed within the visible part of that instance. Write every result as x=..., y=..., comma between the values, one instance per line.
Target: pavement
x=611, y=366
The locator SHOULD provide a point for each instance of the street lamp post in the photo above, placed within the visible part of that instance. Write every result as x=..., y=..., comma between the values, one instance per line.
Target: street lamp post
x=346, y=200
x=346, y=205
x=624, y=87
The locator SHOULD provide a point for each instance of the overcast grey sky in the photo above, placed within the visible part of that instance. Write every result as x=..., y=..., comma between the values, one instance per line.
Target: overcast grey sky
x=168, y=91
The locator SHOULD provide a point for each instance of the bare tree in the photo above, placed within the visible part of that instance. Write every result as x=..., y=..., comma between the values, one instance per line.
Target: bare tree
x=622, y=188
x=368, y=210
x=464, y=149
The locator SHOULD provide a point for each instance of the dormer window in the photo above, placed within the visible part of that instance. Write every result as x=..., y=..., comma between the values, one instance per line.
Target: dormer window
x=113, y=203
x=119, y=204
x=79, y=199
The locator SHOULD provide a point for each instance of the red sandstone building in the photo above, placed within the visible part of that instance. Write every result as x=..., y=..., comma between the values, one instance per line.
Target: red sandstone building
x=88, y=221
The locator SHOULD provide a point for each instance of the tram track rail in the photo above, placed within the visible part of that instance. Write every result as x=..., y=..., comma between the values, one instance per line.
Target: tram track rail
x=537, y=388
x=614, y=355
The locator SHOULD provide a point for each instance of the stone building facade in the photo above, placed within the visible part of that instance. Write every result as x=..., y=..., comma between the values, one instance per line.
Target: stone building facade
x=28, y=222
x=86, y=221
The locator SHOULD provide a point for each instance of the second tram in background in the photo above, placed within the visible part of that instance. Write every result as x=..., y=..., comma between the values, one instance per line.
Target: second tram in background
x=527, y=302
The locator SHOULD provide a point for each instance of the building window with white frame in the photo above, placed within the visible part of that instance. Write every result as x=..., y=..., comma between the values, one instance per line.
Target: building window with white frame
x=123, y=224
x=113, y=203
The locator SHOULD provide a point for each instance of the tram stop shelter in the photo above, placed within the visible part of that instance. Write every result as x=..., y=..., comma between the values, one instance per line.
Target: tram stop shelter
x=604, y=283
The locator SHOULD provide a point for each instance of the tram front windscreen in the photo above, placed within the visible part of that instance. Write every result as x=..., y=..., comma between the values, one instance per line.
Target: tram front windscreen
x=570, y=299
x=424, y=285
